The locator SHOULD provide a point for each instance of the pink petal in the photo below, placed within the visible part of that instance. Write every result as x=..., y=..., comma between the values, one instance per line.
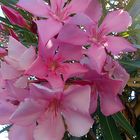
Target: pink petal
x=12, y=62
x=119, y=44
x=78, y=124
x=108, y=86
x=38, y=91
x=78, y=5
x=73, y=69
x=8, y=72
x=80, y=19
x=93, y=102
x=121, y=21
x=110, y=104
x=34, y=69
x=57, y=4
x=70, y=52
x=13, y=47
x=21, y=82
x=73, y=35
x=55, y=81
x=27, y=113
x=78, y=99
x=45, y=32
x=121, y=74
x=52, y=128
x=18, y=93
x=49, y=50
x=94, y=10
x=108, y=90
x=97, y=57
x=6, y=110
x=39, y=8
x=21, y=133
x=27, y=58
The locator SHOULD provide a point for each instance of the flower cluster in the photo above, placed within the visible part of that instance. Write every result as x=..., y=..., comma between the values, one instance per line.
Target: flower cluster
x=54, y=88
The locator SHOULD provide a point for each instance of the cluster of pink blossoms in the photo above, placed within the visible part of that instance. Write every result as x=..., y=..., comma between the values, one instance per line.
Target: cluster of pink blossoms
x=55, y=88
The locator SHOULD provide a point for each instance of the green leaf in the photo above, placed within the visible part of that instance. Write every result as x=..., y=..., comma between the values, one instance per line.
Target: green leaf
x=109, y=128
x=130, y=66
x=9, y=3
x=134, y=64
x=124, y=124
x=26, y=36
x=6, y=21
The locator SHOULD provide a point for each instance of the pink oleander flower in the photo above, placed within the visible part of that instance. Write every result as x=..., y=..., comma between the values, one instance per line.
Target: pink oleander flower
x=54, y=66
x=19, y=58
x=10, y=98
x=107, y=89
x=57, y=13
x=98, y=38
x=14, y=16
x=55, y=112
x=115, y=70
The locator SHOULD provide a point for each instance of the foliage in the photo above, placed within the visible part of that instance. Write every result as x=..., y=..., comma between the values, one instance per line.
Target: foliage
x=118, y=126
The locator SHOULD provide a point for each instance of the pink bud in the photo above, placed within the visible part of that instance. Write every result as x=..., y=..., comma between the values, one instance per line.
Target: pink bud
x=14, y=16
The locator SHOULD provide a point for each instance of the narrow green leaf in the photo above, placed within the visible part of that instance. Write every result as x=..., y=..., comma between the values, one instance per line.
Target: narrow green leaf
x=109, y=128
x=134, y=64
x=27, y=38
x=124, y=124
x=5, y=20
x=4, y=2
x=9, y=1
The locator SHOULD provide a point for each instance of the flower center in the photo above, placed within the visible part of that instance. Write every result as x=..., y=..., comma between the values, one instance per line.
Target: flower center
x=60, y=14
x=97, y=37
x=55, y=104
x=54, y=66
